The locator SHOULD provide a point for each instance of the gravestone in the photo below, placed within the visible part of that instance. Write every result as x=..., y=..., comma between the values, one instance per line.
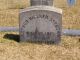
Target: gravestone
x=40, y=22
x=41, y=2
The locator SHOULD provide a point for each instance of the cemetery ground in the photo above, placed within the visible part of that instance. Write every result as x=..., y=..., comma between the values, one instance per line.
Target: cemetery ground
x=11, y=49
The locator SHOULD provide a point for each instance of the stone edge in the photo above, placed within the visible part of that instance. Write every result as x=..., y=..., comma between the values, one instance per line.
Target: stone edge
x=50, y=8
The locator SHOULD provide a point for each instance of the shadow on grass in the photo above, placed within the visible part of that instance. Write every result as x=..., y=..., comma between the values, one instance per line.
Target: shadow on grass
x=16, y=38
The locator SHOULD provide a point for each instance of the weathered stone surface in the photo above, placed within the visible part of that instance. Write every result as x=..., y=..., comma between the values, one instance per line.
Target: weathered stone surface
x=40, y=23
x=41, y=2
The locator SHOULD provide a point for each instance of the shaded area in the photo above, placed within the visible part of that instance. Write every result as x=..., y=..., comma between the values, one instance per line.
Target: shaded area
x=14, y=37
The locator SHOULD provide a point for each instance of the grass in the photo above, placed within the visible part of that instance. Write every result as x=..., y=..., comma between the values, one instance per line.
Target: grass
x=10, y=49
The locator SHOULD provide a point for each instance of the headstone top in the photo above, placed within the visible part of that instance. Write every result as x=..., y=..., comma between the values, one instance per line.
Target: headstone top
x=42, y=2
x=50, y=8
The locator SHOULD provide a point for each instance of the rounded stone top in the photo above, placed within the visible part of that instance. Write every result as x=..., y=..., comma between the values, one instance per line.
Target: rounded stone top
x=41, y=2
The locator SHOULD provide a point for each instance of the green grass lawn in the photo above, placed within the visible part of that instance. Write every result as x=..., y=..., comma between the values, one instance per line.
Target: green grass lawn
x=10, y=49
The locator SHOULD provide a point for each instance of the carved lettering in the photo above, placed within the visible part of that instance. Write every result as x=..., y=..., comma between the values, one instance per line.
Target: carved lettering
x=37, y=35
